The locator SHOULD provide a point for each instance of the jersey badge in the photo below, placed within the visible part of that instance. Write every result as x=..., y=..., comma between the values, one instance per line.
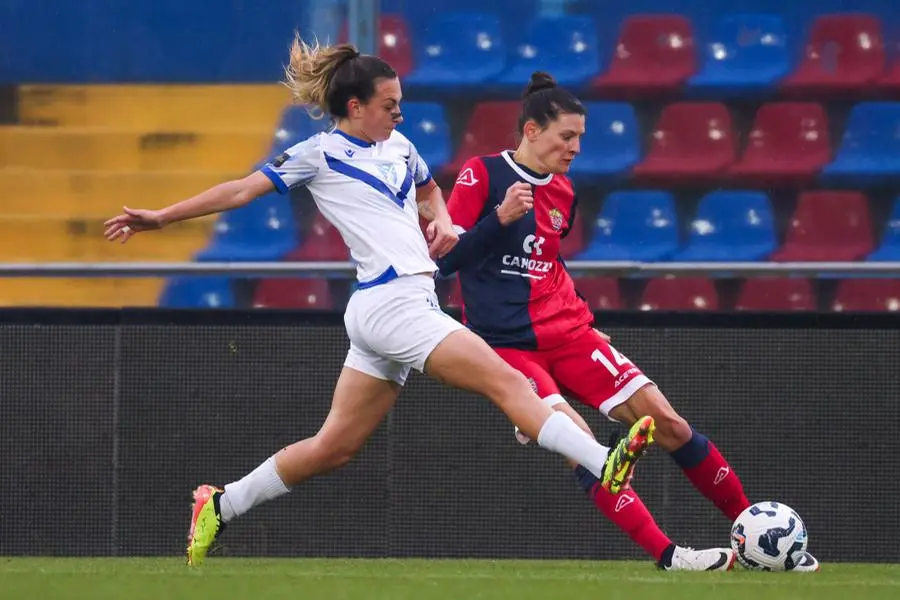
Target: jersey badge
x=556, y=219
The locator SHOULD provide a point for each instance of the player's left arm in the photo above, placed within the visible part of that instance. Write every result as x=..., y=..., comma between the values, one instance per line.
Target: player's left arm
x=440, y=234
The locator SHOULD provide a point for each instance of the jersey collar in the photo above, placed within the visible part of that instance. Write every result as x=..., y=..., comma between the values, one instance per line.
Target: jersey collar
x=354, y=140
x=524, y=172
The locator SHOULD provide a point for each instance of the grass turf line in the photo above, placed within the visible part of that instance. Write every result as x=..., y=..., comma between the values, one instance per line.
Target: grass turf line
x=335, y=579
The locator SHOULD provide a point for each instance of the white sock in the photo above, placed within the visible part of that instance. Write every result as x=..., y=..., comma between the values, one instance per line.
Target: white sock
x=561, y=434
x=259, y=486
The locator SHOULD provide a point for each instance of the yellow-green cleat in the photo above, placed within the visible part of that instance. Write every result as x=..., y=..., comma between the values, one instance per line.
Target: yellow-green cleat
x=206, y=523
x=622, y=458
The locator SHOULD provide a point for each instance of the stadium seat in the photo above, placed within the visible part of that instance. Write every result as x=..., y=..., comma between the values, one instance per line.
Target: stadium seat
x=394, y=42
x=869, y=153
x=197, y=292
x=459, y=49
x=844, y=53
x=601, y=293
x=692, y=141
x=731, y=226
x=295, y=125
x=654, y=53
x=425, y=124
x=890, y=241
x=612, y=146
x=261, y=230
x=776, y=294
x=566, y=46
x=746, y=54
x=865, y=295
x=573, y=243
x=828, y=226
x=634, y=225
x=322, y=243
x=293, y=293
x=680, y=293
x=789, y=143
x=490, y=129
x=890, y=80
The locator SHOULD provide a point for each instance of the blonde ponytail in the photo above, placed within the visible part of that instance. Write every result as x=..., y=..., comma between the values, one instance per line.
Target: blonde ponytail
x=310, y=70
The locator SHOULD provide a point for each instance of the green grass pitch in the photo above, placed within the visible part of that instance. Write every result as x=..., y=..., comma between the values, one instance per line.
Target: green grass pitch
x=305, y=579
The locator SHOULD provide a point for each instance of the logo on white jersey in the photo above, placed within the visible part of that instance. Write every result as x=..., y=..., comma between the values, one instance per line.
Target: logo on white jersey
x=388, y=173
x=533, y=243
x=349, y=152
x=467, y=177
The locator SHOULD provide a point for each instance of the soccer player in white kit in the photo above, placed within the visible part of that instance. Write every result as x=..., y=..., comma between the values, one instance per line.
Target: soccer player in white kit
x=368, y=180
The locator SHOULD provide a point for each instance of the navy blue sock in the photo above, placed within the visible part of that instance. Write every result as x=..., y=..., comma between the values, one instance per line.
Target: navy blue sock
x=586, y=479
x=692, y=453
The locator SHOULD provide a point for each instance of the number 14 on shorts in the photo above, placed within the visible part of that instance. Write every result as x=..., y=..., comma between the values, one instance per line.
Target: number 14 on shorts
x=619, y=359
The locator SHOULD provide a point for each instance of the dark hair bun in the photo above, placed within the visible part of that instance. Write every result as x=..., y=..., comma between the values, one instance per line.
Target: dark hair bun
x=540, y=80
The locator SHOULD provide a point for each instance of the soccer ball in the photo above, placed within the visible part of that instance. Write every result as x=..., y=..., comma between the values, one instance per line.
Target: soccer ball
x=769, y=536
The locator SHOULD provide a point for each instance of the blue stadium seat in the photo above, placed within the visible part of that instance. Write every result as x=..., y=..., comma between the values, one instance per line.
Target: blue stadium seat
x=869, y=154
x=265, y=229
x=612, y=145
x=565, y=46
x=731, y=226
x=890, y=241
x=746, y=54
x=425, y=124
x=197, y=292
x=634, y=225
x=459, y=49
x=295, y=126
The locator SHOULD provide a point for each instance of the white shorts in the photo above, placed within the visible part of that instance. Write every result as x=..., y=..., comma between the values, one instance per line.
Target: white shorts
x=394, y=327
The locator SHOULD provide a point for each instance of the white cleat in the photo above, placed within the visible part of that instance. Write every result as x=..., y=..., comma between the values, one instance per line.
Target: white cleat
x=806, y=563
x=713, y=559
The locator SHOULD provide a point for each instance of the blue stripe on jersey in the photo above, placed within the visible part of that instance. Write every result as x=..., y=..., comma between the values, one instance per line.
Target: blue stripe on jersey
x=424, y=181
x=360, y=175
x=389, y=275
x=275, y=178
x=407, y=183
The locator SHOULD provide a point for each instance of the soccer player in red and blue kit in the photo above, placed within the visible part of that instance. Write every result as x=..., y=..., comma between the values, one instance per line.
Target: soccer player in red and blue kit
x=515, y=207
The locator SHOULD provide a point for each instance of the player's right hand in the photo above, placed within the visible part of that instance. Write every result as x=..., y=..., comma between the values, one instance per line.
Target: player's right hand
x=132, y=221
x=518, y=201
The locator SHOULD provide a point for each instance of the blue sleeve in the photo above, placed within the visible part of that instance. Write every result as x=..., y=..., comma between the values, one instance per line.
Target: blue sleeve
x=472, y=245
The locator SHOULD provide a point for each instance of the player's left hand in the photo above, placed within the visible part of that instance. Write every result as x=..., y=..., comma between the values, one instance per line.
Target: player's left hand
x=441, y=237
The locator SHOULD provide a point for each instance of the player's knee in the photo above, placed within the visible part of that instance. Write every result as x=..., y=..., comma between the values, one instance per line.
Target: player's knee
x=333, y=454
x=672, y=430
x=508, y=385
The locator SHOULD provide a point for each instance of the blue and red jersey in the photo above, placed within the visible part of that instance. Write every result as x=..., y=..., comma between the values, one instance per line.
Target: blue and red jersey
x=516, y=290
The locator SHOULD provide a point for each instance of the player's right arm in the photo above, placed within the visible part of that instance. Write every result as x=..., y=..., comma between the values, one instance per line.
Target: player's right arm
x=295, y=167
x=465, y=207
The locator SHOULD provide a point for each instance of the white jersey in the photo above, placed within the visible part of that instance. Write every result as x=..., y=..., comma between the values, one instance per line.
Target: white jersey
x=368, y=192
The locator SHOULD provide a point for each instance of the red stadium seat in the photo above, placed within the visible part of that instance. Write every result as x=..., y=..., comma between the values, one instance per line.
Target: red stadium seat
x=788, y=142
x=491, y=129
x=859, y=295
x=776, y=294
x=828, y=226
x=394, y=43
x=654, y=53
x=323, y=242
x=844, y=53
x=574, y=241
x=293, y=293
x=890, y=80
x=691, y=141
x=601, y=293
x=680, y=293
